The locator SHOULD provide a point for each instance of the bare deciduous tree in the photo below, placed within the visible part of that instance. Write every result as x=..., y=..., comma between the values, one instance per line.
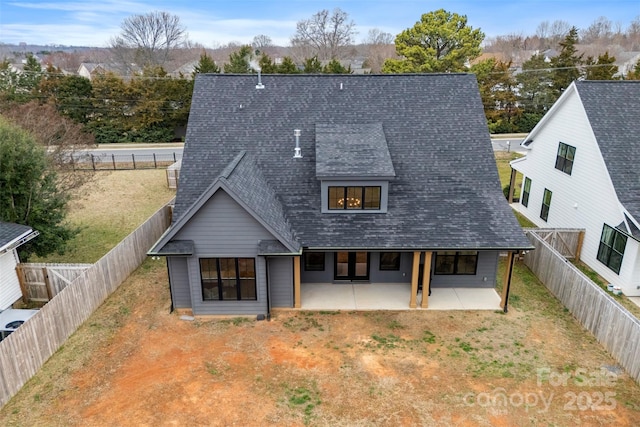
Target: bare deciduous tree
x=600, y=31
x=149, y=39
x=261, y=41
x=379, y=47
x=325, y=35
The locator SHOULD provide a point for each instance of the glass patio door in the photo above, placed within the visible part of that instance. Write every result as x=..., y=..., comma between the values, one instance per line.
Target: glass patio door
x=351, y=266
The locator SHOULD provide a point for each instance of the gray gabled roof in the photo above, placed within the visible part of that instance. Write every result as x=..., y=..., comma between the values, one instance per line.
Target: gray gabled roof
x=244, y=182
x=445, y=195
x=12, y=235
x=613, y=109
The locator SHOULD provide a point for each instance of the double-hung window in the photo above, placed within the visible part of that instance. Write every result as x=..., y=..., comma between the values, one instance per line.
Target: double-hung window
x=611, y=249
x=564, y=158
x=228, y=279
x=525, y=192
x=546, y=204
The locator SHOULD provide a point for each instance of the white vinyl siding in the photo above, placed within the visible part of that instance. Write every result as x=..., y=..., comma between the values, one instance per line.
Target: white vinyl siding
x=586, y=198
x=9, y=285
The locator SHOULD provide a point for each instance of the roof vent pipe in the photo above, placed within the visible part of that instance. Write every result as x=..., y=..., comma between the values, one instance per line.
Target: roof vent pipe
x=297, y=154
x=259, y=85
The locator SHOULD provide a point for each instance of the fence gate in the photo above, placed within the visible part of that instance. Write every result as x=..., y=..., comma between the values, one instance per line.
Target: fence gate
x=40, y=282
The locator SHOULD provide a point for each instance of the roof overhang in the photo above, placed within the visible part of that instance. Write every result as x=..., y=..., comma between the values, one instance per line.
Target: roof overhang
x=18, y=241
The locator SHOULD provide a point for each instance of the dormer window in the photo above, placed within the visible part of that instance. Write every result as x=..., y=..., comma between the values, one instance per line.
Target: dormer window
x=354, y=198
x=354, y=166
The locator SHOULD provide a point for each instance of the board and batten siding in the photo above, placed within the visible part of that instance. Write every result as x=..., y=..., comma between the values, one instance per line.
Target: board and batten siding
x=224, y=229
x=281, y=281
x=179, y=281
x=485, y=276
x=10, y=290
x=585, y=199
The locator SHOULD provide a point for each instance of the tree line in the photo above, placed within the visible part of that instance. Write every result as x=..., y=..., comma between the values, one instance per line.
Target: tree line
x=48, y=113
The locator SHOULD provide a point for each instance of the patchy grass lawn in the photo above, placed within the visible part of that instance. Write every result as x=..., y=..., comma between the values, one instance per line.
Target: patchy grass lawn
x=105, y=211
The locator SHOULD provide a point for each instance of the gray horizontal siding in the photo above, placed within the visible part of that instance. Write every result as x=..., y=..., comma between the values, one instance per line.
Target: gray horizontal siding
x=487, y=268
x=281, y=281
x=179, y=281
x=222, y=228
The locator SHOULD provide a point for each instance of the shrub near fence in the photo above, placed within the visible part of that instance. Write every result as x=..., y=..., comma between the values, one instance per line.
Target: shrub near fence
x=613, y=325
x=24, y=351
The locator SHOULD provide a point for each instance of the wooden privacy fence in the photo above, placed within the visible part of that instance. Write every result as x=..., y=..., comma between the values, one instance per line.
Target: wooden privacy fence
x=24, y=351
x=567, y=241
x=613, y=325
x=41, y=282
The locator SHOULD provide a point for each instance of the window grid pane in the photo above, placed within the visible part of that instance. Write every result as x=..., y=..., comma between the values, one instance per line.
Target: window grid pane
x=525, y=193
x=565, y=157
x=228, y=279
x=611, y=249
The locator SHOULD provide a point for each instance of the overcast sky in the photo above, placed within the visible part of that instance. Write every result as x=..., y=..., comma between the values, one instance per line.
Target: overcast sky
x=217, y=22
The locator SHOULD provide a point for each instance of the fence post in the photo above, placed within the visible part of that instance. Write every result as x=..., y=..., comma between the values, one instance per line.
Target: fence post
x=45, y=274
x=133, y=157
x=93, y=162
x=73, y=164
x=23, y=283
x=113, y=160
x=174, y=157
x=155, y=164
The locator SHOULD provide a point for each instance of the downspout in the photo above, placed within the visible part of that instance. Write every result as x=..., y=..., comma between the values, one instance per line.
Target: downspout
x=266, y=269
x=510, y=267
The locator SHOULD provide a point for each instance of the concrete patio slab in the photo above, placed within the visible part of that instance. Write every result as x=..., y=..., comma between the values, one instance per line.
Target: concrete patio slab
x=328, y=296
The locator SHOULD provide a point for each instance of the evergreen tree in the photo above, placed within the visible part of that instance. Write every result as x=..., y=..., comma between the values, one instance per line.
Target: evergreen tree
x=312, y=66
x=206, y=64
x=602, y=69
x=335, y=67
x=440, y=42
x=497, y=90
x=566, y=66
x=266, y=64
x=239, y=61
x=288, y=66
x=29, y=192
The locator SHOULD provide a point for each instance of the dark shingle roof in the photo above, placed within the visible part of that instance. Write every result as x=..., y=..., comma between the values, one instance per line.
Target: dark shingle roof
x=446, y=193
x=352, y=150
x=613, y=109
x=10, y=232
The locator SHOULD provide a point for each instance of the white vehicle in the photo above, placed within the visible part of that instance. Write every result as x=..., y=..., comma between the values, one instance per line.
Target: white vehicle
x=11, y=319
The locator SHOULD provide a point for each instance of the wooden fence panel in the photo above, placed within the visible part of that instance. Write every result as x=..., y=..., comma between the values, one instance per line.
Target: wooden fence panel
x=24, y=351
x=613, y=325
x=43, y=281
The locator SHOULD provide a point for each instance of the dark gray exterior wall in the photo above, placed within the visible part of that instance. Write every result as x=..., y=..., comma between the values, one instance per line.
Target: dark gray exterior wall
x=179, y=280
x=281, y=281
x=222, y=228
x=487, y=267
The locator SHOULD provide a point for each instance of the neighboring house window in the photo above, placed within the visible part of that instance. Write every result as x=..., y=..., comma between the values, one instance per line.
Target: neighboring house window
x=546, y=204
x=390, y=261
x=451, y=262
x=354, y=198
x=564, y=159
x=611, y=249
x=228, y=279
x=314, y=261
x=525, y=192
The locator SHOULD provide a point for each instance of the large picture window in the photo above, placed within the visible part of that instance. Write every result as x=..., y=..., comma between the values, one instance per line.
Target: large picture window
x=314, y=261
x=564, y=159
x=526, y=191
x=390, y=261
x=546, y=204
x=611, y=249
x=452, y=262
x=228, y=279
x=354, y=198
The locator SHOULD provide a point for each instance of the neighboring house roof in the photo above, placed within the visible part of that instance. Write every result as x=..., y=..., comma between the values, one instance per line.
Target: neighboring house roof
x=444, y=190
x=13, y=235
x=613, y=110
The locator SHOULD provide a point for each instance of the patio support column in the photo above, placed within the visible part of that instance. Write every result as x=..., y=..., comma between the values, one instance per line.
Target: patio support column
x=414, y=280
x=507, y=281
x=296, y=282
x=512, y=185
x=426, y=279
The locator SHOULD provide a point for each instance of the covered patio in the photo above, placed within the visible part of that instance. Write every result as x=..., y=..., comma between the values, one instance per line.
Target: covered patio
x=367, y=296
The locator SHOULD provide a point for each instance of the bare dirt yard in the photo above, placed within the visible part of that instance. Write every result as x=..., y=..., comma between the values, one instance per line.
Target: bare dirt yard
x=133, y=363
